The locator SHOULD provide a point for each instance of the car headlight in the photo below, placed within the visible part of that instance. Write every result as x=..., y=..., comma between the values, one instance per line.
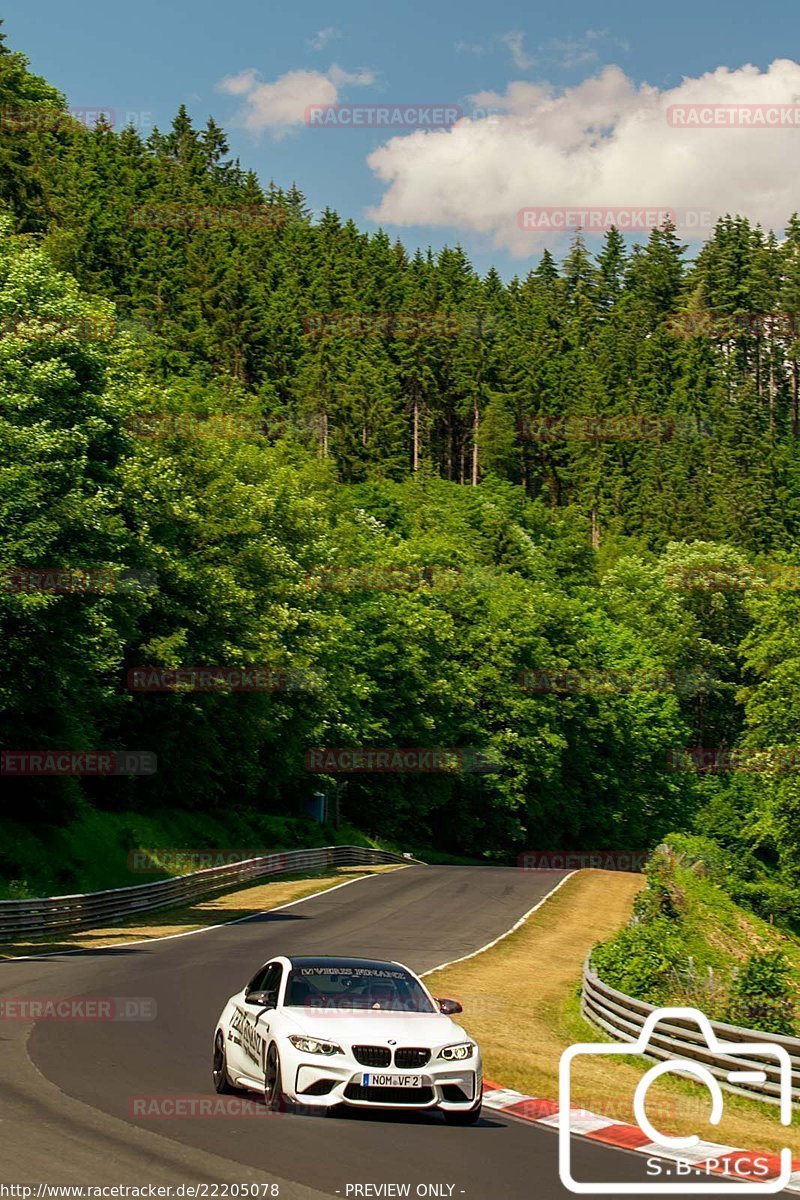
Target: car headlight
x=458, y=1052
x=314, y=1046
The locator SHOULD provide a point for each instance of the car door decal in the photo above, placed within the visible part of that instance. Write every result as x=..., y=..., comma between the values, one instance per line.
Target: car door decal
x=249, y=1036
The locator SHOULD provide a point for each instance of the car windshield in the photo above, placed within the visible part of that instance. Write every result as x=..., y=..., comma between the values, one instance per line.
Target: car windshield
x=343, y=988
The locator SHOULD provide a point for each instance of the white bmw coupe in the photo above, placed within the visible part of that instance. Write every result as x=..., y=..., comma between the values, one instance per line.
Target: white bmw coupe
x=322, y=1032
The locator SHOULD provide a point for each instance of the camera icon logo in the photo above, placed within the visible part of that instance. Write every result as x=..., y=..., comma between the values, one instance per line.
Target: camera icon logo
x=673, y=1146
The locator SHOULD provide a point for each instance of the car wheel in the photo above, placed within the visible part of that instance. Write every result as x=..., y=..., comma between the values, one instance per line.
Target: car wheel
x=464, y=1117
x=220, y=1070
x=273, y=1082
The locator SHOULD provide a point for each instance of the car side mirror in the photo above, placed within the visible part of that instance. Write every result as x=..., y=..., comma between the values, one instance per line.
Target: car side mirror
x=262, y=999
x=448, y=1007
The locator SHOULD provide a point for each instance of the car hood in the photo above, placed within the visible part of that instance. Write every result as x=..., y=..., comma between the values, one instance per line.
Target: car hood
x=370, y=1027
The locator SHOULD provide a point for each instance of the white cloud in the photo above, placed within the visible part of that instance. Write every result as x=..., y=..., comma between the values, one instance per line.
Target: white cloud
x=239, y=85
x=604, y=142
x=573, y=52
x=359, y=78
x=514, y=42
x=321, y=38
x=565, y=53
x=602, y=35
x=579, y=51
x=281, y=105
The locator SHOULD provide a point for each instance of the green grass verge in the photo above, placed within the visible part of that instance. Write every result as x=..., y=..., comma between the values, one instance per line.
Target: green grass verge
x=95, y=850
x=691, y=942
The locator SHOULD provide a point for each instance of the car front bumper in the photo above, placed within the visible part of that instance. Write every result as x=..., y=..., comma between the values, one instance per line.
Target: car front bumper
x=452, y=1087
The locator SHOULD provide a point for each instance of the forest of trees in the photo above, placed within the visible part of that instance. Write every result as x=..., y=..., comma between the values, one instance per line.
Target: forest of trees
x=559, y=449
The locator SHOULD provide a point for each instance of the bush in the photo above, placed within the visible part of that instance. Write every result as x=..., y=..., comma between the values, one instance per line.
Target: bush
x=654, y=902
x=16, y=889
x=772, y=899
x=640, y=960
x=692, y=850
x=761, y=995
x=662, y=898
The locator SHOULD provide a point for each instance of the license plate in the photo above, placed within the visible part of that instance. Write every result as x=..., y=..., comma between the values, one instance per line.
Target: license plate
x=376, y=1079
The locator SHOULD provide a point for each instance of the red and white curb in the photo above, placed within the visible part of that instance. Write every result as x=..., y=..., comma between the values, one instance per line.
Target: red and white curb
x=631, y=1137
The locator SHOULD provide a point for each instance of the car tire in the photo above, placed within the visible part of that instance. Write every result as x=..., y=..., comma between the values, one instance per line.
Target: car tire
x=273, y=1082
x=222, y=1083
x=464, y=1116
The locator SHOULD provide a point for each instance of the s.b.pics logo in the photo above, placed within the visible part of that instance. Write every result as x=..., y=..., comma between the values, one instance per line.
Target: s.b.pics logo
x=737, y=1064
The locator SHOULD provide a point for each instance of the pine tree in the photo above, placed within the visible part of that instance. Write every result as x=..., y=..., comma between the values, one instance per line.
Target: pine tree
x=789, y=307
x=580, y=277
x=547, y=271
x=611, y=264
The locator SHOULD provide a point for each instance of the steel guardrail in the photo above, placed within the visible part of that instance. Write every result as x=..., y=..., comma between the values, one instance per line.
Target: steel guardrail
x=623, y=1018
x=64, y=913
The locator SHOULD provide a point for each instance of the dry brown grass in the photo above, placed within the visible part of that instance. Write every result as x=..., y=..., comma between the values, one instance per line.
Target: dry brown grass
x=229, y=906
x=521, y=1003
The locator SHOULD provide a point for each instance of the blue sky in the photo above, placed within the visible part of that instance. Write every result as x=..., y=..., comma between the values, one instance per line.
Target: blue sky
x=149, y=58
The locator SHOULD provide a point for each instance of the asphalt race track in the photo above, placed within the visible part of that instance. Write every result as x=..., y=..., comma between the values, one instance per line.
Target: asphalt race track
x=67, y=1085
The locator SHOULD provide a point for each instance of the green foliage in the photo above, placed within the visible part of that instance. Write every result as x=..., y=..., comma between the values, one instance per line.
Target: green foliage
x=640, y=960
x=450, y=363
x=762, y=996
x=394, y=445
x=773, y=899
x=702, y=855
x=29, y=108
x=690, y=911
x=95, y=851
x=238, y=536
x=662, y=897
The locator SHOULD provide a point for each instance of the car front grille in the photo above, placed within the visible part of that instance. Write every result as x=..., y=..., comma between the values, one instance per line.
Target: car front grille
x=388, y=1095
x=372, y=1056
x=411, y=1056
